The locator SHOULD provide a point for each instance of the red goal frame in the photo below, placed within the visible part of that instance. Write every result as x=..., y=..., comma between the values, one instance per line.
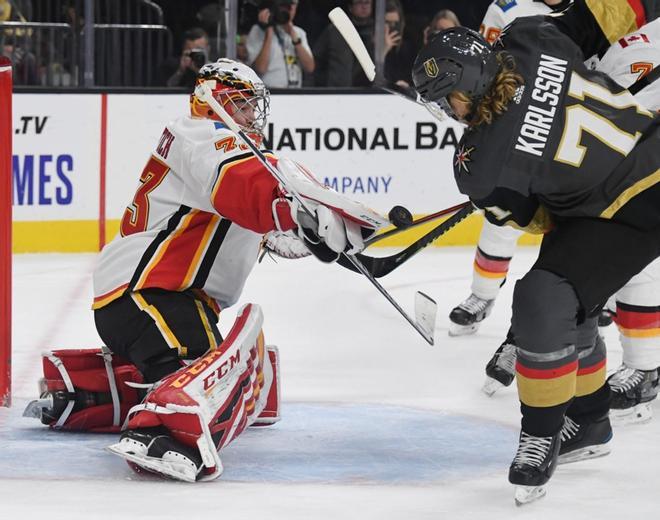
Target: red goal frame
x=5, y=228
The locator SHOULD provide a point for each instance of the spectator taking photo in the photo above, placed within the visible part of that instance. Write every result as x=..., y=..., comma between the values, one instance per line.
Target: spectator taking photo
x=276, y=48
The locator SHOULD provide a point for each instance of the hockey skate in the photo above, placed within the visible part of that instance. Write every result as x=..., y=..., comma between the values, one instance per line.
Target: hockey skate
x=155, y=451
x=466, y=317
x=533, y=465
x=632, y=393
x=582, y=440
x=501, y=369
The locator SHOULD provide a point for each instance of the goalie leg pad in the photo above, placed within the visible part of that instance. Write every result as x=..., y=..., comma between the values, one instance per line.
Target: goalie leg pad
x=85, y=390
x=208, y=404
x=271, y=412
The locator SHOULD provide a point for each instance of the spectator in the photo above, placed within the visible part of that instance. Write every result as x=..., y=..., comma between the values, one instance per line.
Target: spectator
x=182, y=72
x=15, y=10
x=337, y=67
x=444, y=19
x=399, y=52
x=24, y=62
x=278, y=50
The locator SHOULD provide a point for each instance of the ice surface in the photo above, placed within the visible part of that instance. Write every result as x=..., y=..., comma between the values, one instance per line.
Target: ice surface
x=376, y=423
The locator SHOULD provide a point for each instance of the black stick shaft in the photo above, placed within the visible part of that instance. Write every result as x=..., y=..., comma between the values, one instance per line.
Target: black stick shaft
x=384, y=265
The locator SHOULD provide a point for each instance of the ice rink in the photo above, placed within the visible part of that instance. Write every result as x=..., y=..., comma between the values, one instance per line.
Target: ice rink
x=375, y=424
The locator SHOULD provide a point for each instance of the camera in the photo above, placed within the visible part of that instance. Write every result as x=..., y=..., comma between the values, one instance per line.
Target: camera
x=198, y=57
x=280, y=11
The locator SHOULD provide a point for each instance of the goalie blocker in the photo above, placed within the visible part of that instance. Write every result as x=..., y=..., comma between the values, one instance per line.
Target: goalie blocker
x=185, y=419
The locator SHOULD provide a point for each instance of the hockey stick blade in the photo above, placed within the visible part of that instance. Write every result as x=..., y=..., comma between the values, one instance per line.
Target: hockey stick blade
x=348, y=31
x=426, y=311
x=423, y=220
x=381, y=266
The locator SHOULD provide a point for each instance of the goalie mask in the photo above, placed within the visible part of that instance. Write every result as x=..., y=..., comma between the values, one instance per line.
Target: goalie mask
x=239, y=90
x=455, y=59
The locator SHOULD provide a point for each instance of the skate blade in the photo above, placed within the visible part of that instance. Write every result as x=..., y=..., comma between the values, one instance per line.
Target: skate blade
x=527, y=494
x=168, y=469
x=591, y=452
x=491, y=386
x=36, y=408
x=638, y=414
x=462, y=330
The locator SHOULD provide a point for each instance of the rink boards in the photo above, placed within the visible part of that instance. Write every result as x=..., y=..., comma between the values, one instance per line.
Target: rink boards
x=77, y=158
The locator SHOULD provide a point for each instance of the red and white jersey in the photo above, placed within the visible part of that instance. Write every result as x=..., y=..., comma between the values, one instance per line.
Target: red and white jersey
x=199, y=213
x=502, y=12
x=633, y=57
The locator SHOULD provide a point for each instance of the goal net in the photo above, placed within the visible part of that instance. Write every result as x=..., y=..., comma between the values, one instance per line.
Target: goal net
x=5, y=230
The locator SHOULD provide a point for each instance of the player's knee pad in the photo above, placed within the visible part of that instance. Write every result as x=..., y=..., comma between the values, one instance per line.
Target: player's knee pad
x=86, y=390
x=209, y=403
x=545, y=309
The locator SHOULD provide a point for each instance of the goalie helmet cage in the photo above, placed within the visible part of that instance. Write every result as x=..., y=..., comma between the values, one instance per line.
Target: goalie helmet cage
x=5, y=229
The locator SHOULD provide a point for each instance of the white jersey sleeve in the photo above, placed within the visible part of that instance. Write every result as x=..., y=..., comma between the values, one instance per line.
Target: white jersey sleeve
x=502, y=12
x=633, y=57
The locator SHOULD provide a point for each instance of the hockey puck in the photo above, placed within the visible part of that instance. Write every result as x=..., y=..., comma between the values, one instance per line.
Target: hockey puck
x=400, y=217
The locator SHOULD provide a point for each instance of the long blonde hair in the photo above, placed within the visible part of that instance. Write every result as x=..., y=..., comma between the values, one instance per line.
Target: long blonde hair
x=495, y=101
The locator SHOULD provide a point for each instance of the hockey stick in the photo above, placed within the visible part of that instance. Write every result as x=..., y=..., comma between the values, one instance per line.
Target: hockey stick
x=423, y=220
x=381, y=266
x=425, y=307
x=348, y=31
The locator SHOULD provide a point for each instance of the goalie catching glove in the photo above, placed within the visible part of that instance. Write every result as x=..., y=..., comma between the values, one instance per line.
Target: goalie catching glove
x=336, y=224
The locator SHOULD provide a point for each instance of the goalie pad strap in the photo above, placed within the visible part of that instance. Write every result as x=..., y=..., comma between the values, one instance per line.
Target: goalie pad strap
x=57, y=362
x=85, y=390
x=107, y=360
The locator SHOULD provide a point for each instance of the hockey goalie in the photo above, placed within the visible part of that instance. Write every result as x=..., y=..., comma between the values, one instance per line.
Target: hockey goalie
x=203, y=208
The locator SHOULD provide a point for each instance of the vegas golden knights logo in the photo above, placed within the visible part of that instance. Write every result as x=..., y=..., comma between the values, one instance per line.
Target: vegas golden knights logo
x=431, y=68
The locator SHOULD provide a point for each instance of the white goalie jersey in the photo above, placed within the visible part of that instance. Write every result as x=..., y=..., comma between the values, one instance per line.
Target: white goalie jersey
x=196, y=221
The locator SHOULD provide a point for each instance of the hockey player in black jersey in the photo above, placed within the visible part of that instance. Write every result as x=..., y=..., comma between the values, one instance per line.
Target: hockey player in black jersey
x=552, y=147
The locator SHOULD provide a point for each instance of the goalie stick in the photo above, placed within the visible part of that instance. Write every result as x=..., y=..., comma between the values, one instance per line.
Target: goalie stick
x=381, y=266
x=425, y=307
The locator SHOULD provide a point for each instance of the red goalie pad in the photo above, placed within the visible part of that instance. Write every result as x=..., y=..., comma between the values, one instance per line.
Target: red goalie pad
x=209, y=403
x=85, y=390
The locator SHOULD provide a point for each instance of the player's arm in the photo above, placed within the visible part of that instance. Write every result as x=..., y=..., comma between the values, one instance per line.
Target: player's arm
x=245, y=192
x=505, y=207
x=493, y=23
x=595, y=24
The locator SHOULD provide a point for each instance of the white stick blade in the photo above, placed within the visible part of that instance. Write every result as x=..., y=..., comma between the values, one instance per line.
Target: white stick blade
x=348, y=31
x=426, y=311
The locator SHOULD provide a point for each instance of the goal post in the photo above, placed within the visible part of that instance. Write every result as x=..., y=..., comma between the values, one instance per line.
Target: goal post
x=5, y=229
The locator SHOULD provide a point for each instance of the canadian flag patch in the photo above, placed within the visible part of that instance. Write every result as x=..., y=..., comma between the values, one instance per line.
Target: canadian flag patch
x=633, y=39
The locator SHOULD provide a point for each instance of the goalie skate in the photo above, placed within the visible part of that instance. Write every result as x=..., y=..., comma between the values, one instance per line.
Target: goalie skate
x=156, y=452
x=467, y=316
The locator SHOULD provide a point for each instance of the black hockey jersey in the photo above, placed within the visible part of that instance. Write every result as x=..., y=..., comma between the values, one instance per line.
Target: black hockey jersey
x=572, y=143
